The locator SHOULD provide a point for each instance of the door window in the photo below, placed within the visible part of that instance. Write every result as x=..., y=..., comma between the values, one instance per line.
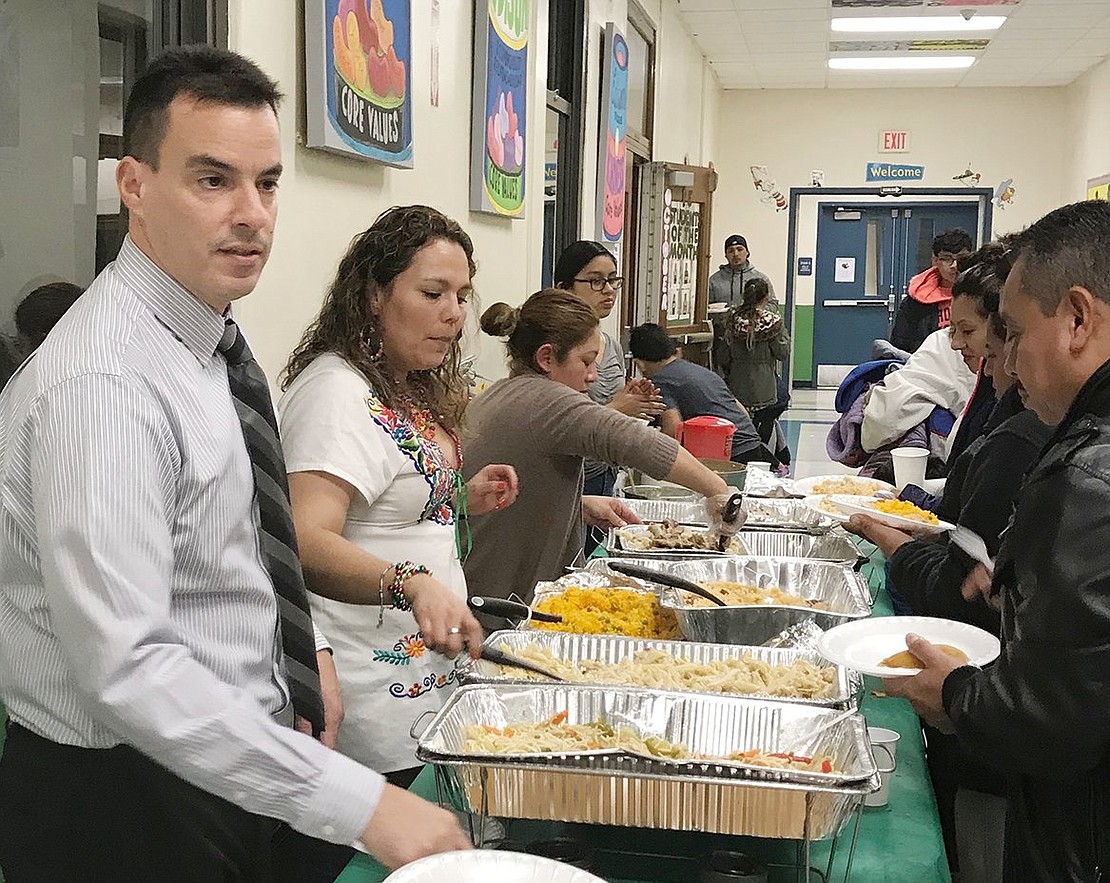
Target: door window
x=65, y=73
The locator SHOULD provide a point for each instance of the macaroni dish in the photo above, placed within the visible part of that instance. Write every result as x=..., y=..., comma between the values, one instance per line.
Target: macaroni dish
x=746, y=595
x=556, y=736
x=659, y=670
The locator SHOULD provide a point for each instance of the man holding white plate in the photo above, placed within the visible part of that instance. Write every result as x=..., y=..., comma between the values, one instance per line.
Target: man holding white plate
x=1041, y=714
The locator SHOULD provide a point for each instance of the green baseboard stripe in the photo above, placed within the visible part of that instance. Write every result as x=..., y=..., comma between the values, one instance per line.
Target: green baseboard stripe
x=802, y=343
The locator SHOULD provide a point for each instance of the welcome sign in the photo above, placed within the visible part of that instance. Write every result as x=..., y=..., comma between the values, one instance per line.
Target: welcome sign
x=885, y=171
x=357, y=79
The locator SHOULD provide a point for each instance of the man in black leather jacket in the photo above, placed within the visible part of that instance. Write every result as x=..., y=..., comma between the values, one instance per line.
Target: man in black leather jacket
x=1041, y=713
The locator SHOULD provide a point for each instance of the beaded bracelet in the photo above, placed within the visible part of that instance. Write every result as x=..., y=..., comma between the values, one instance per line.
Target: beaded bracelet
x=403, y=571
x=381, y=597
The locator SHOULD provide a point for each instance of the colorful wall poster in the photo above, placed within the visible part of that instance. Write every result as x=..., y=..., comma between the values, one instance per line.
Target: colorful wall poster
x=498, y=155
x=614, y=107
x=358, y=58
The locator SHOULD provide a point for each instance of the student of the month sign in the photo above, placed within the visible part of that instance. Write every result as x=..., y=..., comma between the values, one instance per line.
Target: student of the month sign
x=358, y=99
x=498, y=148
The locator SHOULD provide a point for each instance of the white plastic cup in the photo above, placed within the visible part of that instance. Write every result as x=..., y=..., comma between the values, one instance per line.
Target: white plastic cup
x=884, y=746
x=909, y=466
x=759, y=466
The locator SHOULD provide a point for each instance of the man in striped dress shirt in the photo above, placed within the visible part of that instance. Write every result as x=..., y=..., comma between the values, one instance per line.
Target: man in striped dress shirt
x=140, y=655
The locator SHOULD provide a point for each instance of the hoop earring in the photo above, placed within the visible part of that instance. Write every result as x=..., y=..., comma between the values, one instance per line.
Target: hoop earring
x=373, y=352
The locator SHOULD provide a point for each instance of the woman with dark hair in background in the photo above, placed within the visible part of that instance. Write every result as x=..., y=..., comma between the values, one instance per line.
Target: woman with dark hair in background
x=589, y=270
x=369, y=421
x=541, y=420
x=748, y=353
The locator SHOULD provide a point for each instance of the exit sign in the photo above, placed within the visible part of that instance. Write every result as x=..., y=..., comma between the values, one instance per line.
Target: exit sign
x=894, y=142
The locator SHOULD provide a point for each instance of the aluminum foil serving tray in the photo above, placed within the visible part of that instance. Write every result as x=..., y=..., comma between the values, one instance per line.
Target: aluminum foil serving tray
x=844, y=591
x=573, y=648
x=763, y=514
x=833, y=546
x=621, y=789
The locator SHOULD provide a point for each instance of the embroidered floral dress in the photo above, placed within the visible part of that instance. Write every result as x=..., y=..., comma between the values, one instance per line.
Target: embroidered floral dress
x=332, y=422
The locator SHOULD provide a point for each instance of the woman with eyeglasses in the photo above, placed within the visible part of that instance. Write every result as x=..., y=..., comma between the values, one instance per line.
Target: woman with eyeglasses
x=589, y=270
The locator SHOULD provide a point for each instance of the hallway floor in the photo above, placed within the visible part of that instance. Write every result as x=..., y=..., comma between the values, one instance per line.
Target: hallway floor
x=806, y=424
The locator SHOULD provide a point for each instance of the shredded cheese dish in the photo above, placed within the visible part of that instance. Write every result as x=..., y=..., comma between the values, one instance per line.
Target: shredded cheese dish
x=556, y=736
x=670, y=534
x=864, y=487
x=905, y=509
x=659, y=670
x=609, y=612
x=746, y=595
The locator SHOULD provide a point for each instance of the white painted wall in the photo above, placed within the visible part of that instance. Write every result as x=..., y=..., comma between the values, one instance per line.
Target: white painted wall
x=1001, y=133
x=1089, y=131
x=325, y=199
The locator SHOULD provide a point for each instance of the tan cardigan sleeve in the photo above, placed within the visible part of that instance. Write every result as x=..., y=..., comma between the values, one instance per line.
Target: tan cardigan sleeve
x=562, y=421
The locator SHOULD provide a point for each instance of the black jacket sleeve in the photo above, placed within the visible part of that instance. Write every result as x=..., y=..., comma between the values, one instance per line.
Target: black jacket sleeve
x=1041, y=709
x=929, y=575
x=913, y=322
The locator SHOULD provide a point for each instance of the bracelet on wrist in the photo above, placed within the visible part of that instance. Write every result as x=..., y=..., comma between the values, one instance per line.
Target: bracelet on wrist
x=381, y=597
x=402, y=572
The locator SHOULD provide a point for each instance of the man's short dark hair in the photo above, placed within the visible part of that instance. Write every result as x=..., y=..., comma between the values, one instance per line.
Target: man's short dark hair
x=1067, y=247
x=953, y=241
x=650, y=343
x=204, y=73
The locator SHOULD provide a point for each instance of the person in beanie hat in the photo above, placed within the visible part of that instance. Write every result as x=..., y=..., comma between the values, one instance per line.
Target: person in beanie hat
x=727, y=284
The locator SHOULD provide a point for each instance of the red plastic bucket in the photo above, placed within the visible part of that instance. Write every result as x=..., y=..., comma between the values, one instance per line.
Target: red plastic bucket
x=707, y=437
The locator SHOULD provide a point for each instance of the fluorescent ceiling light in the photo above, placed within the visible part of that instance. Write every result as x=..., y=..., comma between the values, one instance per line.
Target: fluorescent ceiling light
x=935, y=24
x=902, y=63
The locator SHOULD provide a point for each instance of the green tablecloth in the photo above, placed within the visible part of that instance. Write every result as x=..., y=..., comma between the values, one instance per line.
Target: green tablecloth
x=898, y=843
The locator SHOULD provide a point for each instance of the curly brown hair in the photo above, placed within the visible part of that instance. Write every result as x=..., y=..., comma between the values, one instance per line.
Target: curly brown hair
x=347, y=326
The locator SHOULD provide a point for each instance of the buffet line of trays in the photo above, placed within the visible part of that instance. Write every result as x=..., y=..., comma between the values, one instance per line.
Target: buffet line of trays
x=702, y=727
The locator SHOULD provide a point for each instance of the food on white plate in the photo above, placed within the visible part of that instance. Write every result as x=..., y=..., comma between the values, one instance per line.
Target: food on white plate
x=863, y=487
x=906, y=659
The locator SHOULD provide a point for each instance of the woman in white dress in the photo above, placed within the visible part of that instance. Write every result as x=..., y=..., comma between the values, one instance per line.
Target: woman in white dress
x=373, y=399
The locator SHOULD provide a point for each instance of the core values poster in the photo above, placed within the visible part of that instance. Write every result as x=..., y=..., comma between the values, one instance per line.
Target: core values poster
x=498, y=147
x=614, y=128
x=358, y=96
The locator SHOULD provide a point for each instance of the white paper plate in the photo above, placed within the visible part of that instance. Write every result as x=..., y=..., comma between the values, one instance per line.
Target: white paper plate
x=862, y=644
x=808, y=486
x=863, y=506
x=717, y=307
x=817, y=502
x=487, y=866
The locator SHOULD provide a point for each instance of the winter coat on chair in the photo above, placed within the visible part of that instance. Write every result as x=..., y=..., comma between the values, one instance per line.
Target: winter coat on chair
x=747, y=352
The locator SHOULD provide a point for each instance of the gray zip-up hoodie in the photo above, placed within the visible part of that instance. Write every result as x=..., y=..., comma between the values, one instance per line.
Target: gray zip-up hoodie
x=727, y=286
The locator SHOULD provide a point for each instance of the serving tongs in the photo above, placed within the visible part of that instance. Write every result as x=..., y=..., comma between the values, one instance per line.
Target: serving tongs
x=664, y=579
x=506, y=609
x=499, y=657
x=733, y=509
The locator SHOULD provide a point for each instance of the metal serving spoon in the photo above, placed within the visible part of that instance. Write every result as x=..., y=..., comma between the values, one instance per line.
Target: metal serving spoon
x=499, y=657
x=664, y=579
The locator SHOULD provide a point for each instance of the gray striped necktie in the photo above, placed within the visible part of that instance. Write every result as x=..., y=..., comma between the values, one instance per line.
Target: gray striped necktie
x=251, y=393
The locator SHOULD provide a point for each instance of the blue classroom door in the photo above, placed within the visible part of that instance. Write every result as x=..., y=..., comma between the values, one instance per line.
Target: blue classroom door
x=866, y=255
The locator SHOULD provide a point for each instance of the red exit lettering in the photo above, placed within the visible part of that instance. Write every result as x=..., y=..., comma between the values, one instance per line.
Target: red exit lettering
x=894, y=142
